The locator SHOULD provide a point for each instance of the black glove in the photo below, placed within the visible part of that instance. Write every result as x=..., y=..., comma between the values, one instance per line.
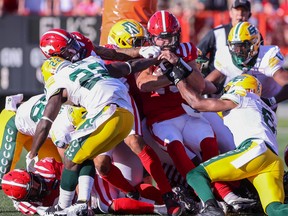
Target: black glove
x=179, y=71
x=166, y=67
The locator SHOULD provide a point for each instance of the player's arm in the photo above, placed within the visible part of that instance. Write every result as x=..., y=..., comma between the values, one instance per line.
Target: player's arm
x=127, y=53
x=121, y=69
x=146, y=81
x=216, y=78
x=199, y=103
x=50, y=113
x=180, y=68
x=117, y=54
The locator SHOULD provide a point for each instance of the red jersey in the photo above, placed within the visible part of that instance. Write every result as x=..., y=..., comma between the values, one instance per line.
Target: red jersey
x=165, y=103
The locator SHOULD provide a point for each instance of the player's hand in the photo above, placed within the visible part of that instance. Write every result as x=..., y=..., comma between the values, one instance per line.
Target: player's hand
x=169, y=56
x=30, y=162
x=150, y=51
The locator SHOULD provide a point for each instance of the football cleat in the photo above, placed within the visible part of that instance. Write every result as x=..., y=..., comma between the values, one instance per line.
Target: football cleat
x=173, y=207
x=211, y=208
x=186, y=200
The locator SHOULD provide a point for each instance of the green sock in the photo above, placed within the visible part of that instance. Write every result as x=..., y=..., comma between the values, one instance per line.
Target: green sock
x=199, y=180
x=277, y=209
x=88, y=169
x=70, y=180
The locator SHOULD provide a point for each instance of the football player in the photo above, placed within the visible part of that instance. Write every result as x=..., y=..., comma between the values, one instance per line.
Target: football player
x=245, y=54
x=28, y=190
x=87, y=83
x=173, y=124
x=253, y=125
x=17, y=126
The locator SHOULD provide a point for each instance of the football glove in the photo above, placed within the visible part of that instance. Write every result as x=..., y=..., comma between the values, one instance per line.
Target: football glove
x=30, y=162
x=150, y=51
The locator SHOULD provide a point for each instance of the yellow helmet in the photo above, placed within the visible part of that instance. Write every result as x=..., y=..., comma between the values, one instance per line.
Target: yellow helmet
x=243, y=41
x=52, y=65
x=127, y=33
x=242, y=84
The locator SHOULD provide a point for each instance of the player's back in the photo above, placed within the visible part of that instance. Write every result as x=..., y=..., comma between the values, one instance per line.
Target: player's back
x=252, y=119
x=29, y=114
x=89, y=85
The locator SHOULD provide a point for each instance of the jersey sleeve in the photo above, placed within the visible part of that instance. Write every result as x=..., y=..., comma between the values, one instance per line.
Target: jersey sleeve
x=27, y=208
x=232, y=97
x=49, y=168
x=187, y=51
x=51, y=87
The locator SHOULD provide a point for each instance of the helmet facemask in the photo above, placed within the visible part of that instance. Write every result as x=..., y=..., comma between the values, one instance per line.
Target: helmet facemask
x=172, y=39
x=21, y=185
x=241, y=52
x=72, y=51
x=37, y=188
x=138, y=41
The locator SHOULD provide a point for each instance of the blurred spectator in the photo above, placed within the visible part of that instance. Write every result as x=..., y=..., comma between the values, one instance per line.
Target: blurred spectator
x=8, y=7
x=218, y=5
x=217, y=37
x=64, y=7
x=88, y=8
x=284, y=7
x=35, y=7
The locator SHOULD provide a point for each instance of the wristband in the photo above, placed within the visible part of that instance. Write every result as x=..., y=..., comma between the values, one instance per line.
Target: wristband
x=47, y=119
x=130, y=68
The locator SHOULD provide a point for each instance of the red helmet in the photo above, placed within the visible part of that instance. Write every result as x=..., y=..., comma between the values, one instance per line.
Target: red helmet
x=21, y=185
x=58, y=42
x=164, y=24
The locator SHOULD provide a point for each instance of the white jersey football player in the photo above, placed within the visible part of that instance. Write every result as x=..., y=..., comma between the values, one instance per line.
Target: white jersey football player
x=244, y=54
x=88, y=83
x=256, y=158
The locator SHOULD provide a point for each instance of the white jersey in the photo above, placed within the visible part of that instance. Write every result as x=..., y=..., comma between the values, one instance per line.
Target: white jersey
x=268, y=62
x=89, y=85
x=252, y=118
x=30, y=112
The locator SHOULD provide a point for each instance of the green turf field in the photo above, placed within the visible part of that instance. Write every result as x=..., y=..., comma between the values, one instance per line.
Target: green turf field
x=7, y=209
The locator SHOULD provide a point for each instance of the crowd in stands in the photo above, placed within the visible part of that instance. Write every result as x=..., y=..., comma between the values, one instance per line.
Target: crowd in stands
x=189, y=12
x=51, y=7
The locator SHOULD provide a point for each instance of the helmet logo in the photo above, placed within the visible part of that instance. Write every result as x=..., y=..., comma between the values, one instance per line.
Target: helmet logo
x=47, y=48
x=131, y=28
x=252, y=30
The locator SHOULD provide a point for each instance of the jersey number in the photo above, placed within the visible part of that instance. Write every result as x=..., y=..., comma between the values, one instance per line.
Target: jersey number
x=87, y=78
x=268, y=119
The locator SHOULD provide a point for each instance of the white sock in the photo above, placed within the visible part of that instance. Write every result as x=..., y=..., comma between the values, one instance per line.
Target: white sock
x=85, y=184
x=65, y=198
x=230, y=197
